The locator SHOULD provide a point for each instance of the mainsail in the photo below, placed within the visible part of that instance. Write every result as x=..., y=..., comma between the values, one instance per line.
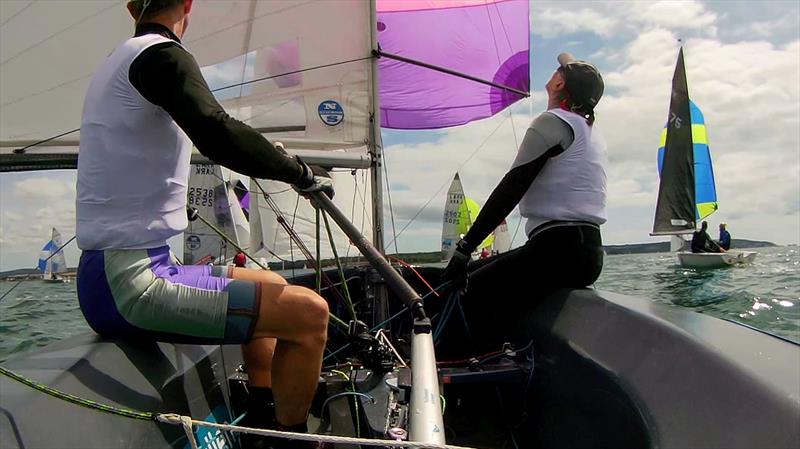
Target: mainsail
x=686, y=191
x=49, y=263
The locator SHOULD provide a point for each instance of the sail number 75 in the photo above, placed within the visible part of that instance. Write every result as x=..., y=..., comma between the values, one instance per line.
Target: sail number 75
x=674, y=119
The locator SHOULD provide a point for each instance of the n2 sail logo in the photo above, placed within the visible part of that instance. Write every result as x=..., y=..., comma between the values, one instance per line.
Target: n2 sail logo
x=330, y=112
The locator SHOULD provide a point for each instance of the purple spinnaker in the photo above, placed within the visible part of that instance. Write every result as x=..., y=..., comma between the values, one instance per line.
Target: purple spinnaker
x=490, y=41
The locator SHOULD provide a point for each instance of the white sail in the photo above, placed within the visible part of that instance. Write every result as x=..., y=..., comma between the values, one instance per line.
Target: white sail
x=324, y=104
x=502, y=239
x=460, y=212
x=51, y=262
x=215, y=201
x=452, y=217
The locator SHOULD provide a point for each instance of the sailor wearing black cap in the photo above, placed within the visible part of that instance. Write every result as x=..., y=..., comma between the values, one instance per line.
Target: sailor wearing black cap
x=559, y=181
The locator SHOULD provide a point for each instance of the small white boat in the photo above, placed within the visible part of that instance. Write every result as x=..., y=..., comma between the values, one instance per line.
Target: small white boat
x=715, y=260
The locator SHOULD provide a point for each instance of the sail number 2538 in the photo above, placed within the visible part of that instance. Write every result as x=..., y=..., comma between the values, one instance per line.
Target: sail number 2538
x=675, y=120
x=199, y=196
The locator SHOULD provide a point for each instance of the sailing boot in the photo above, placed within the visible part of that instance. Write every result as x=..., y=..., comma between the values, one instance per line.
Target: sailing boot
x=260, y=414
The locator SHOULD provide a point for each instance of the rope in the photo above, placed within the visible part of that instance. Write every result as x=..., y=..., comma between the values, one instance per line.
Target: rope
x=187, y=423
x=175, y=419
x=346, y=393
x=134, y=414
x=414, y=270
x=342, y=277
x=391, y=208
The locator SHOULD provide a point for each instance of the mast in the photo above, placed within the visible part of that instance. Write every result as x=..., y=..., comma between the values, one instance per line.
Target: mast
x=375, y=143
x=376, y=164
x=675, y=210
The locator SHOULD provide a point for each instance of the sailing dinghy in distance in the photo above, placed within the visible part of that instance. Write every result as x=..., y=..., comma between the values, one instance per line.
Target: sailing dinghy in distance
x=610, y=370
x=687, y=193
x=52, y=260
x=460, y=211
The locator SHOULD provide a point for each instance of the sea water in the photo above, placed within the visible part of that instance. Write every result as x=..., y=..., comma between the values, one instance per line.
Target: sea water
x=765, y=295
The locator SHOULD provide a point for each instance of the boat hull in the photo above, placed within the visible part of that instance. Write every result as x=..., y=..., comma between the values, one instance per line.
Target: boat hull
x=56, y=281
x=609, y=371
x=715, y=260
x=150, y=377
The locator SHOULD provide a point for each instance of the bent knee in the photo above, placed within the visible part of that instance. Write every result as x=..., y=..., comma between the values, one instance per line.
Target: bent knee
x=315, y=309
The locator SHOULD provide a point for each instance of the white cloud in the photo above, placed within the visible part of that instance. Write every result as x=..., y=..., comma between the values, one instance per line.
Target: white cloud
x=552, y=22
x=42, y=187
x=608, y=19
x=768, y=29
x=676, y=15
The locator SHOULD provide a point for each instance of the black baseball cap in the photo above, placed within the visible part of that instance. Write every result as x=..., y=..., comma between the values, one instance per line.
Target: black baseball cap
x=583, y=81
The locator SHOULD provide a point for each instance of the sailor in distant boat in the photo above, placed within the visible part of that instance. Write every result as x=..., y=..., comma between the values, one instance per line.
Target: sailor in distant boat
x=724, y=237
x=559, y=181
x=146, y=105
x=702, y=243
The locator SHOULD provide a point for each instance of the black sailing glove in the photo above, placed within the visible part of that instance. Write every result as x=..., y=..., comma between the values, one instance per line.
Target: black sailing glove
x=313, y=179
x=456, y=270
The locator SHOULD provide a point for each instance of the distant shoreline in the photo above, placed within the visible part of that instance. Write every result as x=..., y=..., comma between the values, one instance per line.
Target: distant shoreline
x=436, y=256
x=663, y=247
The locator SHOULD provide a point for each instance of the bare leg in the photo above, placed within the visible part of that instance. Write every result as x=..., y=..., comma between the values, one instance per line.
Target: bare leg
x=259, y=352
x=298, y=318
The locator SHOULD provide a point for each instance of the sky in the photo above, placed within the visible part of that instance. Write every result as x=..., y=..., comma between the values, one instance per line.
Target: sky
x=743, y=69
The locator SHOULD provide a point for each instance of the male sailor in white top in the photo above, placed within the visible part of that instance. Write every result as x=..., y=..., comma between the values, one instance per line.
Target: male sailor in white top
x=146, y=105
x=559, y=181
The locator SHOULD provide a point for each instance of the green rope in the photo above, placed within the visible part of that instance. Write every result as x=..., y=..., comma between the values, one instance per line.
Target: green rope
x=338, y=321
x=339, y=266
x=145, y=416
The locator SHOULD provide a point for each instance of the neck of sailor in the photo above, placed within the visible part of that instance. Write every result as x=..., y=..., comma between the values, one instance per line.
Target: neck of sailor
x=176, y=19
x=556, y=89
